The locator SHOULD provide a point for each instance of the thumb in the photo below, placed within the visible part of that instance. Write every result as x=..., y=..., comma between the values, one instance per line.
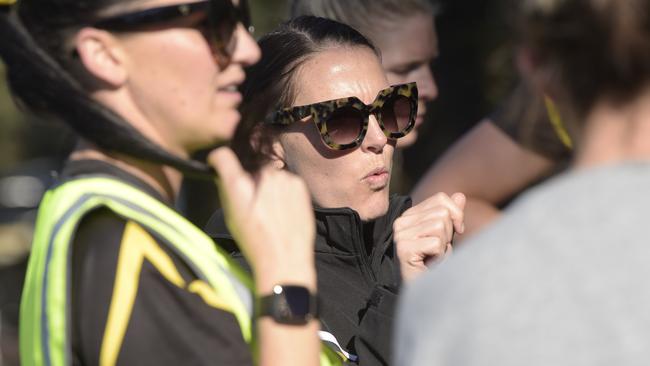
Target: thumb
x=232, y=175
x=460, y=200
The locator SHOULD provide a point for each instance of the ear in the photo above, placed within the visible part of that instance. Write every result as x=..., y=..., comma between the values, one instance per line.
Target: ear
x=278, y=155
x=102, y=55
x=532, y=70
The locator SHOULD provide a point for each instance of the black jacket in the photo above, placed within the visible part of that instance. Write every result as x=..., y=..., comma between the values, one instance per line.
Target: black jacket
x=358, y=277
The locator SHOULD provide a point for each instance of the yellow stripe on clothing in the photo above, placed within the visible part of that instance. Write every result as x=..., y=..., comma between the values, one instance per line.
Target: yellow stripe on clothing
x=138, y=245
x=556, y=122
x=208, y=295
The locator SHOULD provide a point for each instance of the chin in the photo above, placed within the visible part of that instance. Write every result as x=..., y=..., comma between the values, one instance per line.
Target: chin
x=373, y=210
x=226, y=125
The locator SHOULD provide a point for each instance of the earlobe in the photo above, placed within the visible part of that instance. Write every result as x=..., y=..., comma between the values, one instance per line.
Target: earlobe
x=101, y=55
x=532, y=71
x=277, y=156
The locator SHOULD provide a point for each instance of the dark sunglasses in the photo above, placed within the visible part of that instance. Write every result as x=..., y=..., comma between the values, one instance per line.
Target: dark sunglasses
x=343, y=123
x=221, y=19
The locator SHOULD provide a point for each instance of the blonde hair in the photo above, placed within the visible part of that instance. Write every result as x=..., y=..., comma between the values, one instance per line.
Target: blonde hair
x=364, y=15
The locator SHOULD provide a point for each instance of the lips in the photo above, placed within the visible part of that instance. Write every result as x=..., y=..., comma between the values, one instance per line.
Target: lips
x=231, y=88
x=231, y=82
x=229, y=92
x=377, y=178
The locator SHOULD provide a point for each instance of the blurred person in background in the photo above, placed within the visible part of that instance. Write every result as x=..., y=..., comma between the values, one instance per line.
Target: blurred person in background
x=115, y=273
x=512, y=149
x=321, y=97
x=561, y=278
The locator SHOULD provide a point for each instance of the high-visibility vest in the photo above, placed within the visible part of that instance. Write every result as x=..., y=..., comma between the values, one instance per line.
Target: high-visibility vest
x=45, y=326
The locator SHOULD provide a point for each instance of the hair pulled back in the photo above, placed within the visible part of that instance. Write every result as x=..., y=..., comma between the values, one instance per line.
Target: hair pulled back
x=269, y=83
x=46, y=78
x=593, y=48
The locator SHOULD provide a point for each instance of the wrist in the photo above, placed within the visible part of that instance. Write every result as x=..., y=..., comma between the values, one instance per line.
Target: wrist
x=267, y=279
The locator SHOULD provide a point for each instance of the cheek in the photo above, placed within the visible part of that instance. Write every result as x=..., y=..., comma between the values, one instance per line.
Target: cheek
x=330, y=175
x=180, y=82
x=188, y=67
x=331, y=182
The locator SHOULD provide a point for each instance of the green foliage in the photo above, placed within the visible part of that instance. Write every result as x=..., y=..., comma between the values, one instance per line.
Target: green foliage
x=11, y=121
x=267, y=14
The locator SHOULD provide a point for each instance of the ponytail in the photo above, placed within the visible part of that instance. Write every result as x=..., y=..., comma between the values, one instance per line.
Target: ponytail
x=40, y=84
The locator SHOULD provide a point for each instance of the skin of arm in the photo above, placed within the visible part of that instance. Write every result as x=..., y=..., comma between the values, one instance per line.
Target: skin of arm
x=488, y=167
x=271, y=216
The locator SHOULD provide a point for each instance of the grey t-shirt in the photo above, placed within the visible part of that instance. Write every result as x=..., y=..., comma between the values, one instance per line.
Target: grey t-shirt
x=562, y=279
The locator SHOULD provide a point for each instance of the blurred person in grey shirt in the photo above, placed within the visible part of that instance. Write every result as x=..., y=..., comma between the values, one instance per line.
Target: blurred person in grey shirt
x=561, y=279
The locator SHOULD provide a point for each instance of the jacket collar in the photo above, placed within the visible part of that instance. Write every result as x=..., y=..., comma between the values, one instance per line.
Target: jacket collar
x=338, y=230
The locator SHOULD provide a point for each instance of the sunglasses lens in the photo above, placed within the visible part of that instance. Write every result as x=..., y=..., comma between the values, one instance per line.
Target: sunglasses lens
x=344, y=125
x=245, y=13
x=396, y=114
x=223, y=18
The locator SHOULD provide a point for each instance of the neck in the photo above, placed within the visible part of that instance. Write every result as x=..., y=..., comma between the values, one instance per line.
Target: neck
x=614, y=133
x=165, y=180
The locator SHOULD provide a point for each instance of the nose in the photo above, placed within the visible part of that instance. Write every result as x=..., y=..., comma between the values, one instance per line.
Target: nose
x=427, y=88
x=375, y=139
x=247, y=52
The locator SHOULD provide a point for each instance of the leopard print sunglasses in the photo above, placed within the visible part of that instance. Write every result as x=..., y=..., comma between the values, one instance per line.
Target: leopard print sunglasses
x=343, y=123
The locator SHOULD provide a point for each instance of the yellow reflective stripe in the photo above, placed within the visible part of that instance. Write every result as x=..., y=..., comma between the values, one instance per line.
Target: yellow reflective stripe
x=328, y=357
x=137, y=245
x=556, y=122
x=208, y=295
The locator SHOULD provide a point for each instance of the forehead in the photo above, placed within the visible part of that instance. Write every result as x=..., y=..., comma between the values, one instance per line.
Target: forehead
x=339, y=73
x=409, y=40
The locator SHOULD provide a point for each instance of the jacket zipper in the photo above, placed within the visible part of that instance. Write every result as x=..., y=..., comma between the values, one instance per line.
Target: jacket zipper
x=361, y=249
x=378, y=254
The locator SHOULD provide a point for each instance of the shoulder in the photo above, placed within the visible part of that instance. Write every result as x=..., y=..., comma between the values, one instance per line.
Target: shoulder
x=99, y=233
x=552, y=245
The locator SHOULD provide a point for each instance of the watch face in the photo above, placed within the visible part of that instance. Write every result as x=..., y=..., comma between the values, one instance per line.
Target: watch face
x=297, y=301
x=289, y=305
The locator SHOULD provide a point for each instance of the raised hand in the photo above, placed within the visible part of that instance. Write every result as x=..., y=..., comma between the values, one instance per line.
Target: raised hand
x=424, y=233
x=271, y=218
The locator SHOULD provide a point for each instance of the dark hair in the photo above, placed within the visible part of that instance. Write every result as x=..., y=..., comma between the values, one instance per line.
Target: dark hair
x=595, y=48
x=269, y=83
x=46, y=77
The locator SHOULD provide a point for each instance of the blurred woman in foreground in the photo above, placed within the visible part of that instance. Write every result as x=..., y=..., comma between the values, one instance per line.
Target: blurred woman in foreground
x=116, y=275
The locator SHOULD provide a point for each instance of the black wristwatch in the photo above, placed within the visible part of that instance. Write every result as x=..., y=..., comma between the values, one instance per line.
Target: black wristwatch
x=293, y=305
